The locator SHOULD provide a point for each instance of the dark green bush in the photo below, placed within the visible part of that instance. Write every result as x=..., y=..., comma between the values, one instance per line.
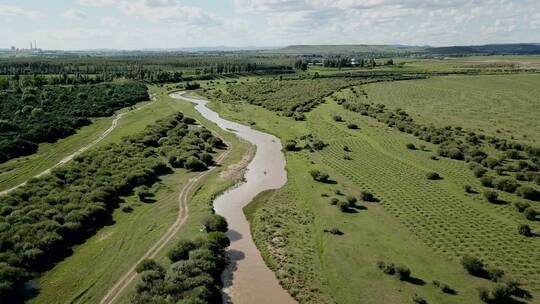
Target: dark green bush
x=524, y=230
x=215, y=222
x=491, y=196
x=473, y=265
x=433, y=176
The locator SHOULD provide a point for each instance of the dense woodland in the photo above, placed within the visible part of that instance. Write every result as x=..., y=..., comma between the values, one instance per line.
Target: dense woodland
x=31, y=115
x=148, y=69
x=40, y=221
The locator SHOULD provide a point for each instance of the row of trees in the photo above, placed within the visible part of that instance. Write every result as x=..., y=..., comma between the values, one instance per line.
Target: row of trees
x=520, y=160
x=40, y=221
x=33, y=115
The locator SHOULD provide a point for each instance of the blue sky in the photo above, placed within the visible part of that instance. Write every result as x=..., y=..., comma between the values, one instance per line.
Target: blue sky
x=137, y=24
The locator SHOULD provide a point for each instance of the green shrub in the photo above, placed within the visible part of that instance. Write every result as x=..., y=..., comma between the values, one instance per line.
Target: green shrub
x=367, y=196
x=479, y=171
x=473, y=265
x=494, y=274
x=387, y=268
x=149, y=264
x=343, y=206
x=290, y=145
x=433, y=176
x=529, y=193
x=524, y=230
x=180, y=250
x=215, y=222
x=521, y=206
x=491, y=196
x=530, y=214
x=410, y=146
x=418, y=299
x=505, y=184
x=352, y=126
x=319, y=176
x=487, y=181
x=334, y=201
x=483, y=294
x=403, y=273
x=468, y=188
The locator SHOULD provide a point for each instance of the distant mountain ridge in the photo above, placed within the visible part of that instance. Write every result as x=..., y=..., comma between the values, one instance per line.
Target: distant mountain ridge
x=406, y=50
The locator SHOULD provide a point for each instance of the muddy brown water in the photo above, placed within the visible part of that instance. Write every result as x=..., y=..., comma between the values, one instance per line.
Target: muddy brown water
x=247, y=279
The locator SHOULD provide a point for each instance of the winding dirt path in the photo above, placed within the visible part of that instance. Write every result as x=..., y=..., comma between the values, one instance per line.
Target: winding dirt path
x=112, y=294
x=68, y=158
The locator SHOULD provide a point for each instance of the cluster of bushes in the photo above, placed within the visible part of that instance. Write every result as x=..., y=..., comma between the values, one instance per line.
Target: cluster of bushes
x=345, y=205
x=502, y=293
x=476, y=267
x=403, y=273
x=291, y=97
x=319, y=176
x=192, y=277
x=33, y=115
x=40, y=221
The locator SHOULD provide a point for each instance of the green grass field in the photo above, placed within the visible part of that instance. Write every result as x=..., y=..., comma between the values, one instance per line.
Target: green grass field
x=426, y=225
x=98, y=263
x=503, y=105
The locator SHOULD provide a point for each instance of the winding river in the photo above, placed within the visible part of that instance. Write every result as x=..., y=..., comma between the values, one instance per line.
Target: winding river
x=246, y=278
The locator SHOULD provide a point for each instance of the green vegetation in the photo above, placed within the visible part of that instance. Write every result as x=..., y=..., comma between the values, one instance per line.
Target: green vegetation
x=193, y=277
x=436, y=223
x=96, y=265
x=43, y=219
x=31, y=115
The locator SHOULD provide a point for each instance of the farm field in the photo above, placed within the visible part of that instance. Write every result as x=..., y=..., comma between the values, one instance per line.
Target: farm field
x=500, y=105
x=434, y=222
x=105, y=257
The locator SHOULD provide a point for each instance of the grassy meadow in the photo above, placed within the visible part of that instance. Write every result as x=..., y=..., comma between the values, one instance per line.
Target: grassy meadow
x=424, y=224
x=499, y=105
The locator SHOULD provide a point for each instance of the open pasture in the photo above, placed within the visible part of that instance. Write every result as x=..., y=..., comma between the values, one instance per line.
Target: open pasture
x=506, y=106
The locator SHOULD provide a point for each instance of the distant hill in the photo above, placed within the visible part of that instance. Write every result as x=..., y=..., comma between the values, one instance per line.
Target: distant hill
x=346, y=49
x=489, y=49
x=405, y=50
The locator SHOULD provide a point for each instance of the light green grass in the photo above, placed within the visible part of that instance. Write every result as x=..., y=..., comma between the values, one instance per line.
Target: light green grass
x=505, y=106
x=426, y=225
x=98, y=263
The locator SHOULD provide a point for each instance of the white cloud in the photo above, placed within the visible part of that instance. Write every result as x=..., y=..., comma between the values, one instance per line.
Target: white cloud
x=74, y=13
x=15, y=11
x=535, y=22
x=500, y=26
x=169, y=11
x=97, y=3
x=110, y=21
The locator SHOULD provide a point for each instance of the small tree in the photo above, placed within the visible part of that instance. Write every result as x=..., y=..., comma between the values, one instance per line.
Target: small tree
x=290, y=145
x=352, y=126
x=343, y=206
x=479, y=171
x=334, y=201
x=367, y=196
x=337, y=118
x=410, y=146
x=530, y=214
x=142, y=192
x=521, y=206
x=529, y=193
x=468, y=188
x=524, y=230
x=403, y=273
x=433, y=176
x=180, y=250
x=491, y=196
x=215, y=222
x=149, y=264
x=418, y=299
x=483, y=294
x=473, y=265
